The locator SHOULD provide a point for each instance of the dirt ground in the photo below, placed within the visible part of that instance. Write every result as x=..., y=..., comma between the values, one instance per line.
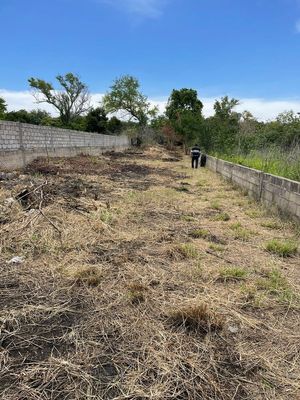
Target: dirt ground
x=143, y=279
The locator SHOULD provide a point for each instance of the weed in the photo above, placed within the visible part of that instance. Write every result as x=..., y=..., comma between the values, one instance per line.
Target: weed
x=198, y=318
x=286, y=248
x=233, y=274
x=106, y=217
x=254, y=213
x=252, y=296
x=277, y=285
x=188, y=250
x=200, y=233
x=271, y=225
x=216, y=247
x=216, y=205
x=276, y=162
x=223, y=216
x=240, y=232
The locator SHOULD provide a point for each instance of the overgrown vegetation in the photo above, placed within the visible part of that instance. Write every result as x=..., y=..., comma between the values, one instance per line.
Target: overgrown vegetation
x=271, y=146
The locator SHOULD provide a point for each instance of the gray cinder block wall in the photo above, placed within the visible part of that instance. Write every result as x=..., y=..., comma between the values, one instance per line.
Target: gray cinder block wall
x=271, y=190
x=22, y=143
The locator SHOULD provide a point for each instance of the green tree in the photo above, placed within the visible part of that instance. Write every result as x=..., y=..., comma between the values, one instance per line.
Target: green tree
x=224, y=109
x=125, y=97
x=96, y=120
x=248, y=130
x=183, y=100
x=114, y=125
x=184, y=111
x=71, y=101
x=224, y=126
x=35, y=117
x=3, y=108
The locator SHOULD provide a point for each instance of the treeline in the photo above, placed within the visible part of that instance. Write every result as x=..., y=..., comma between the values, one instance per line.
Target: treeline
x=125, y=108
x=96, y=120
x=227, y=131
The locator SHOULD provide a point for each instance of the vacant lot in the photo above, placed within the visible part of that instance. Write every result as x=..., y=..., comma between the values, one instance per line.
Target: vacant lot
x=144, y=279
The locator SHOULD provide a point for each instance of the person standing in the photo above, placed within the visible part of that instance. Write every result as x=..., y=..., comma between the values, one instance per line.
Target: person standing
x=195, y=154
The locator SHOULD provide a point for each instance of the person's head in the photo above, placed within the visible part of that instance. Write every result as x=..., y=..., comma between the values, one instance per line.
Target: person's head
x=196, y=145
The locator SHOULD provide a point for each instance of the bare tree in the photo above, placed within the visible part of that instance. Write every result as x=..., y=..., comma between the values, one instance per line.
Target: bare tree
x=71, y=101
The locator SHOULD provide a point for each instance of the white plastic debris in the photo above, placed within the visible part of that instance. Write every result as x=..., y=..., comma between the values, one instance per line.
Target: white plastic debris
x=9, y=201
x=233, y=329
x=16, y=260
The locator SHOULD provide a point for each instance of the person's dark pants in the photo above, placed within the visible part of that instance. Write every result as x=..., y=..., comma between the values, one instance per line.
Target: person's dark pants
x=195, y=162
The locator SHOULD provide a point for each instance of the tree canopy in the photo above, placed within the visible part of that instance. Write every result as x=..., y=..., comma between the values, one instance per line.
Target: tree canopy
x=71, y=101
x=125, y=97
x=184, y=111
x=183, y=100
x=96, y=120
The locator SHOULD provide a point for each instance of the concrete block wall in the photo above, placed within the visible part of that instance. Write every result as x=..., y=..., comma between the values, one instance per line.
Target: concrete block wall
x=22, y=143
x=271, y=190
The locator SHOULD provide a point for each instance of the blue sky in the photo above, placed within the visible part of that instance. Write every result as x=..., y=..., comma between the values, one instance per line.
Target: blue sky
x=249, y=49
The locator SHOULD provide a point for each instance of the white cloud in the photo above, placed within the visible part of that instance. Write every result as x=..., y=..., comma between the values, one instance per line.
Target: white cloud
x=298, y=26
x=262, y=109
x=144, y=8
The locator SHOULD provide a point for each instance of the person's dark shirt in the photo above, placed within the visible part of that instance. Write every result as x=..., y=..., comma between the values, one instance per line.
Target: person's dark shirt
x=195, y=152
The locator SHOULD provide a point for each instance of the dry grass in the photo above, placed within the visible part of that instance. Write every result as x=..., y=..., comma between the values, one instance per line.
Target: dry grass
x=196, y=318
x=119, y=295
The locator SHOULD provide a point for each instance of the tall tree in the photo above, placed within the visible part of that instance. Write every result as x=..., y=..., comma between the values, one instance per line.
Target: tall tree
x=71, y=101
x=125, y=96
x=225, y=125
x=183, y=100
x=3, y=108
x=224, y=108
x=184, y=111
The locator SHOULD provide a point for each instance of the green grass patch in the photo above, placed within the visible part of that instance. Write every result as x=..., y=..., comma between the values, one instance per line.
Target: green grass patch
x=276, y=284
x=233, y=274
x=254, y=213
x=188, y=250
x=200, y=233
x=271, y=225
x=216, y=247
x=106, y=217
x=240, y=232
x=285, y=248
x=223, y=216
x=215, y=205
